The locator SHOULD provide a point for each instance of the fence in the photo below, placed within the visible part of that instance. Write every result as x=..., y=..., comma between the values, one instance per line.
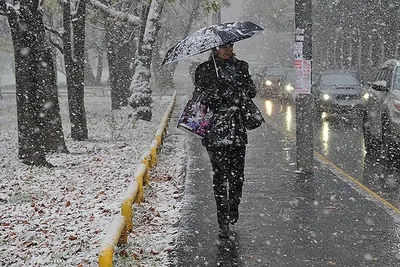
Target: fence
x=122, y=223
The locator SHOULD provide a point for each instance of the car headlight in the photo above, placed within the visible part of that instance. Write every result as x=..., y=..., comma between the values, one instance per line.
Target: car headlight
x=325, y=97
x=365, y=96
x=289, y=88
x=268, y=82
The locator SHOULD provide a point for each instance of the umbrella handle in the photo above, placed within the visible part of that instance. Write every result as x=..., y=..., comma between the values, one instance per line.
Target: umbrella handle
x=215, y=64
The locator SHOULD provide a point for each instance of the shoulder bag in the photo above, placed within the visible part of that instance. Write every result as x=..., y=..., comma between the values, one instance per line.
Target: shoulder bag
x=196, y=117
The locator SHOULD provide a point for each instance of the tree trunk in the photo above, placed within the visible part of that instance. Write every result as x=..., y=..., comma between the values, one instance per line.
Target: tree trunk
x=30, y=124
x=359, y=55
x=90, y=79
x=39, y=121
x=140, y=98
x=120, y=54
x=46, y=75
x=144, y=16
x=74, y=68
x=112, y=67
x=100, y=60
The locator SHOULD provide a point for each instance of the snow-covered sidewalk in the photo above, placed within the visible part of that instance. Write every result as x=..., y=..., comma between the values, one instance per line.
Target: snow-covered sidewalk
x=58, y=217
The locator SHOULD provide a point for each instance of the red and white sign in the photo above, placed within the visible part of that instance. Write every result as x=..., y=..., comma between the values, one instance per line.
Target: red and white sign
x=303, y=76
x=302, y=66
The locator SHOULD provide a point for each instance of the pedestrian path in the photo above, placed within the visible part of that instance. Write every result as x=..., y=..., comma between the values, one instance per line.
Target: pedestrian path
x=286, y=219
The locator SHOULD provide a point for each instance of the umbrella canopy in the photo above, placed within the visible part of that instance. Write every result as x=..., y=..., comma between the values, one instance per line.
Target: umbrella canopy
x=210, y=37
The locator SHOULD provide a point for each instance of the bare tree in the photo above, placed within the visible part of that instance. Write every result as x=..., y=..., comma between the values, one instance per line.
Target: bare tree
x=278, y=17
x=121, y=29
x=39, y=121
x=140, y=98
x=365, y=24
x=74, y=14
x=121, y=48
x=74, y=49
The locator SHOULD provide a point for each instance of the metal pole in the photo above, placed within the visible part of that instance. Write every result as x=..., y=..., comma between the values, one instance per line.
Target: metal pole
x=304, y=100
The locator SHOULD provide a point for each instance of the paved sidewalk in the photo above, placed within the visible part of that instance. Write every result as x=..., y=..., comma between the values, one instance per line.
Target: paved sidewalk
x=286, y=219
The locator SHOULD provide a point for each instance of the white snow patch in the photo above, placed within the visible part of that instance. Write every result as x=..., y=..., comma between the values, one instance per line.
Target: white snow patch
x=60, y=216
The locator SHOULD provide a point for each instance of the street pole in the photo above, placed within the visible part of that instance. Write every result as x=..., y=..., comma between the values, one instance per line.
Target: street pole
x=304, y=100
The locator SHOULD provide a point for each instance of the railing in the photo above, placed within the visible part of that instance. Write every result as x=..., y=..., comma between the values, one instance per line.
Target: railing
x=122, y=223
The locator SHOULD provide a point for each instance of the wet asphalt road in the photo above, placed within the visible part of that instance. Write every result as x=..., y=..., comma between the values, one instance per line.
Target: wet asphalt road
x=338, y=142
x=287, y=219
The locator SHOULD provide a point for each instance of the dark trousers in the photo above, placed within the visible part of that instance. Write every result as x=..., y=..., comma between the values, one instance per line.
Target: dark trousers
x=228, y=176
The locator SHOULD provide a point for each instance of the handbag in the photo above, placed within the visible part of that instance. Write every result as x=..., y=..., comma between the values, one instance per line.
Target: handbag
x=196, y=117
x=252, y=114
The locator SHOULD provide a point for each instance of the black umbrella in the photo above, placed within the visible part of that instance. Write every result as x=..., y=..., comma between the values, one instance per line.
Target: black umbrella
x=210, y=37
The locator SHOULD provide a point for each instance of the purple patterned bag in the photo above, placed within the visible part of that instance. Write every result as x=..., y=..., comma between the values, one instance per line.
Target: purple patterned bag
x=195, y=118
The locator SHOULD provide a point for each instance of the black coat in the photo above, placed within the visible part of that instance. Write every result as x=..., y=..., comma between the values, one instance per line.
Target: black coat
x=224, y=95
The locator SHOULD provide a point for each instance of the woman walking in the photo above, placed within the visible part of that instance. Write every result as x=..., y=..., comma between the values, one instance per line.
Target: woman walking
x=222, y=83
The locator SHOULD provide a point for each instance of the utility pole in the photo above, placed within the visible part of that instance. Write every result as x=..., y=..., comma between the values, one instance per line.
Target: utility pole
x=304, y=100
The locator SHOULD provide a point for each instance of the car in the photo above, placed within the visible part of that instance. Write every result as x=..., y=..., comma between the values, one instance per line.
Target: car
x=270, y=82
x=381, y=120
x=337, y=92
x=287, y=86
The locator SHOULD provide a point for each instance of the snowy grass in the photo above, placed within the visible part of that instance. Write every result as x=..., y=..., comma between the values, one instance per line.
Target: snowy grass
x=58, y=217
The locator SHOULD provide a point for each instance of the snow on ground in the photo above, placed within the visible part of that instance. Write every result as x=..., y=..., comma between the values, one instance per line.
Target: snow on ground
x=58, y=217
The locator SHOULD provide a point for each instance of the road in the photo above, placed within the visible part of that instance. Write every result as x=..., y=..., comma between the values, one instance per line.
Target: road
x=287, y=219
x=338, y=142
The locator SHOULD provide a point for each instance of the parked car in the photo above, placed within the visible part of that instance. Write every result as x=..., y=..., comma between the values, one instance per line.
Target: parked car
x=337, y=92
x=381, y=123
x=270, y=82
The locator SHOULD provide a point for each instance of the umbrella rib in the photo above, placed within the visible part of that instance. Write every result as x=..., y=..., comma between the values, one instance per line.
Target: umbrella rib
x=215, y=65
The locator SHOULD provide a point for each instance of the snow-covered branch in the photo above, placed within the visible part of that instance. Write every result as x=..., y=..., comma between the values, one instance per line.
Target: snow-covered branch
x=113, y=13
x=54, y=31
x=57, y=46
x=94, y=26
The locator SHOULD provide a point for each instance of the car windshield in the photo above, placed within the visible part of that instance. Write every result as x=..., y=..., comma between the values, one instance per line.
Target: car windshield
x=339, y=79
x=397, y=80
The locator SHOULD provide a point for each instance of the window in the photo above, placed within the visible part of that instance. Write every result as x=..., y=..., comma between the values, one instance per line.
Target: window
x=389, y=77
x=339, y=79
x=396, y=85
x=381, y=75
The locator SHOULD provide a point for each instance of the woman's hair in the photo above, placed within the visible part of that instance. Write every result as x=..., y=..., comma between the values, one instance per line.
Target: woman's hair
x=214, y=52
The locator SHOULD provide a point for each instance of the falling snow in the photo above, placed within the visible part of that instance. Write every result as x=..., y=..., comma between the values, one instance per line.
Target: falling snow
x=58, y=217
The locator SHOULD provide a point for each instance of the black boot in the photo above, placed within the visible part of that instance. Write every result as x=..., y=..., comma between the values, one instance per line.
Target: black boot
x=233, y=213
